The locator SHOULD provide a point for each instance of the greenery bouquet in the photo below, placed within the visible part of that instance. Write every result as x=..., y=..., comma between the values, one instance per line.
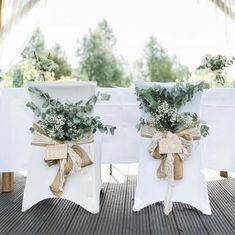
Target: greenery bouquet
x=216, y=65
x=162, y=108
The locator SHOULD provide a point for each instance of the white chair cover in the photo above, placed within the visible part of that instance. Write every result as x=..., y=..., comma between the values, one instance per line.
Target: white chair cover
x=192, y=189
x=218, y=110
x=120, y=111
x=82, y=188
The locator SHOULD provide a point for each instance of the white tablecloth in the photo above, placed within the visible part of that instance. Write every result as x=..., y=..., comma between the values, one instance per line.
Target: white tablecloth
x=122, y=110
x=218, y=110
x=15, y=120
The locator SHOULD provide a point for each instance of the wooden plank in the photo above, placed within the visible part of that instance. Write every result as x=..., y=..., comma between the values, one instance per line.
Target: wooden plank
x=217, y=222
x=82, y=220
x=134, y=222
x=110, y=220
x=187, y=219
x=6, y=203
x=159, y=222
x=58, y=216
x=9, y=217
x=32, y=220
x=12, y=220
x=59, y=219
x=228, y=185
x=224, y=200
x=12, y=196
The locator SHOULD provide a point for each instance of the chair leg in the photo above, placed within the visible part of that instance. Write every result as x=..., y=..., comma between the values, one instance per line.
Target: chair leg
x=224, y=174
x=110, y=169
x=102, y=190
x=7, y=181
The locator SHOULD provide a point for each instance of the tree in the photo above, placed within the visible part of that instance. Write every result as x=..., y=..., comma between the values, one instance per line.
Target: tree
x=25, y=71
x=182, y=71
x=158, y=66
x=60, y=58
x=97, y=60
x=36, y=44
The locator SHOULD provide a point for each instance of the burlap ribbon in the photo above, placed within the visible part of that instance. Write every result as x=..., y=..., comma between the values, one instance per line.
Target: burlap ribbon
x=171, y=166
x=77, y=157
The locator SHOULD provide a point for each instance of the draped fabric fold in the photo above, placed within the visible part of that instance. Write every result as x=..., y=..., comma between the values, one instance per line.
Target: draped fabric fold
x=171, y=165
x=18, y=20
x=76, y=159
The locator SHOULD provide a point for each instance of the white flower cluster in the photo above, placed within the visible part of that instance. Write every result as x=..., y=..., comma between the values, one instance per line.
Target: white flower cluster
x=53, y=124
x=186, y=120
x=165, y=112
x=168, y=117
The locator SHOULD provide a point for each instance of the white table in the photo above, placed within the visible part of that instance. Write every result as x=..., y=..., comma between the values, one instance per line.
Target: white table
x=218, y=109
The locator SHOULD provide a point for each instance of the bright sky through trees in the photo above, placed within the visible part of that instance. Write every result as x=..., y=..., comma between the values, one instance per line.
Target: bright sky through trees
x=186, y=28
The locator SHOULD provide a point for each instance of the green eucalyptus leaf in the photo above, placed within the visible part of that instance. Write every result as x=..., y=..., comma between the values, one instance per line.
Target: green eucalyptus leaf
x=204, y=130
x=68, y=121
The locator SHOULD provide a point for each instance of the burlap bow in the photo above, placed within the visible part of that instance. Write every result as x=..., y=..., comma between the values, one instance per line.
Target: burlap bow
x=77, y=157
x=171, y=166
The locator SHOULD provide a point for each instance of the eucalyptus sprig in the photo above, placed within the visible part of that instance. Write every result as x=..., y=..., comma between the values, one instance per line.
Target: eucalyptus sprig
x=44, y=66
x=177, y=96
x=217, y=64
x=162, y=107
x=67, y=121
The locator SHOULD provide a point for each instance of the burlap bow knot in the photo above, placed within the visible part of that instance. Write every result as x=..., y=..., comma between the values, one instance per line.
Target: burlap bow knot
x=171, y=166
x=77, y=157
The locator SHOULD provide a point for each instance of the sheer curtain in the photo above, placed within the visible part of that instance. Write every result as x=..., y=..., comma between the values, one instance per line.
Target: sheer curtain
x=19, y=19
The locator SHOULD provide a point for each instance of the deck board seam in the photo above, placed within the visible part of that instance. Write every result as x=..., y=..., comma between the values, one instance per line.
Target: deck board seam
x=232, y=195
x=101, y=206
x=222, y=212
x=125, y=201
x=180, y=231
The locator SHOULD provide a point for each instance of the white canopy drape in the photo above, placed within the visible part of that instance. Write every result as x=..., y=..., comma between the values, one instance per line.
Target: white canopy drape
x=17, y=23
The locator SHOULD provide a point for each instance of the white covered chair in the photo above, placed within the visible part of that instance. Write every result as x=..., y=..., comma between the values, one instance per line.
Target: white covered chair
x=83, y=187
x=121, y=110
x=192, y=189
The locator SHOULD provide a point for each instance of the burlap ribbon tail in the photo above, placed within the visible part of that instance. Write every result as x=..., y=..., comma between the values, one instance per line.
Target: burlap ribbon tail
x=171, y=165
x=77, y=157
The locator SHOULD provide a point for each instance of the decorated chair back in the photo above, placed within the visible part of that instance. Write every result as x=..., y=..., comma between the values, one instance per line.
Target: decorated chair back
x=193, y=106
x=64, y=91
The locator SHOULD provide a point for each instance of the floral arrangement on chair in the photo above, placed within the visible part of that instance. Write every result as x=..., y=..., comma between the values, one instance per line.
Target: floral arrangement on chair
x=172, y=132
x=216, y=65
x=45, y=67
x=62, y=128
x=162, y=107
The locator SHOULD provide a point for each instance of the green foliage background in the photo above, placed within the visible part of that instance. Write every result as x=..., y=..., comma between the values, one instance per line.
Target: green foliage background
x=158, y=66
x=98, y=61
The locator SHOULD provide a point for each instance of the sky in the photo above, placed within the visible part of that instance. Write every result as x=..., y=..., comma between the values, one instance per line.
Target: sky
x=187, y=28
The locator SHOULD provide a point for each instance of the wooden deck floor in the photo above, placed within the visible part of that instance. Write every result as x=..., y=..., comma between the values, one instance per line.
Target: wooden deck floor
x=56, y=216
